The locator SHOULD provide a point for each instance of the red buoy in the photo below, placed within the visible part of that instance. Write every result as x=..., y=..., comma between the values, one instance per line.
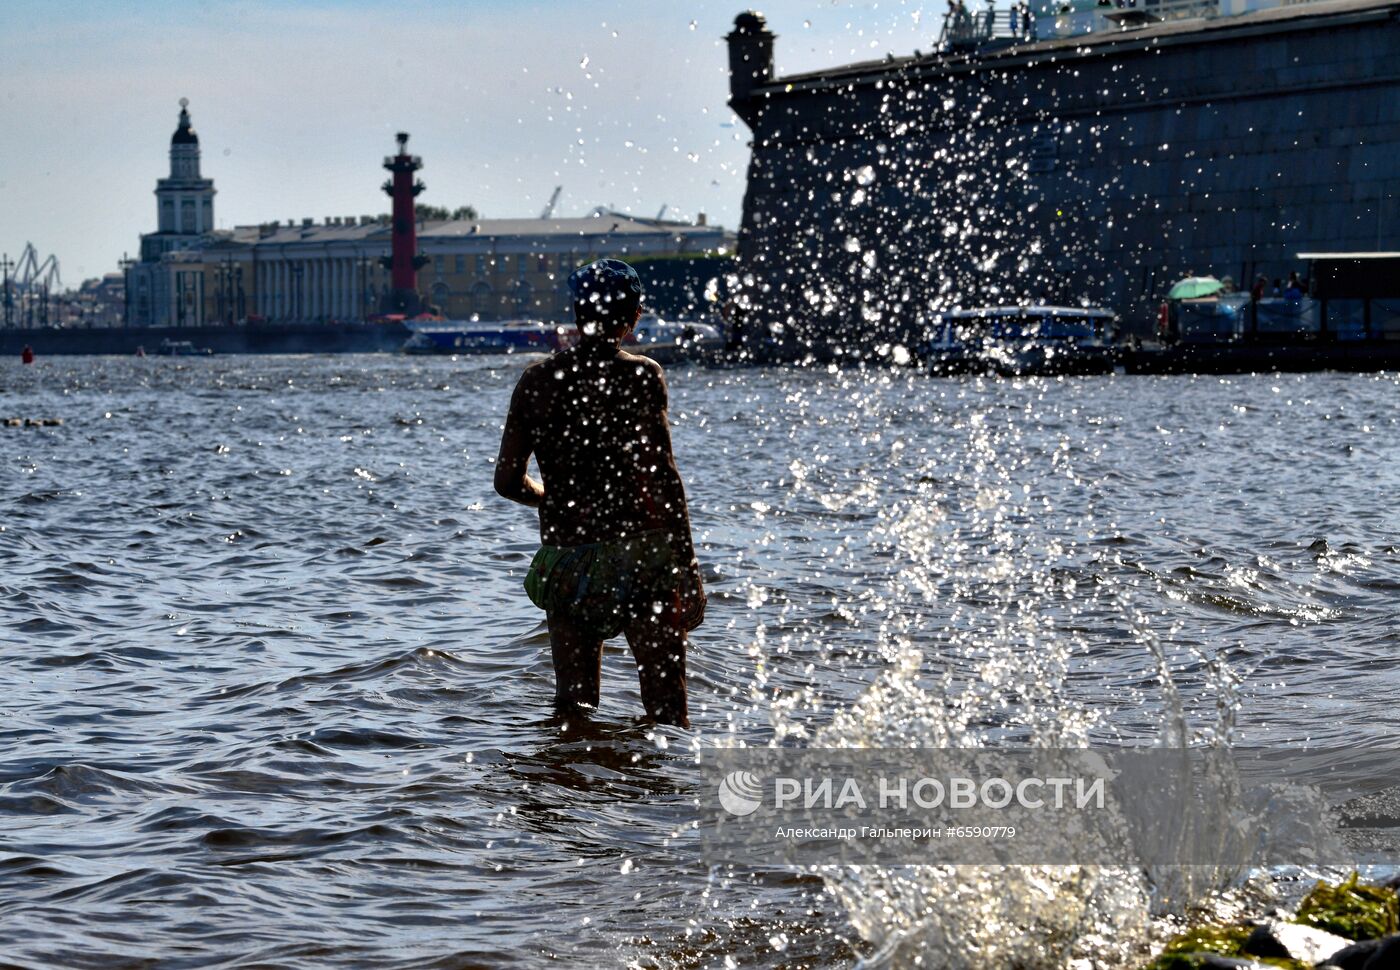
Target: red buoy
x=27, y=354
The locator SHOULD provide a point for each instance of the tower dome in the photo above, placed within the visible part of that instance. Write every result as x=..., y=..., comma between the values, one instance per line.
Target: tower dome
x=186, y=198
x=750, y=22
x=184, y=135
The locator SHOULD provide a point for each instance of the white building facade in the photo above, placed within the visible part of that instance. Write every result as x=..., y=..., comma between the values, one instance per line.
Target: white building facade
x=191, y=274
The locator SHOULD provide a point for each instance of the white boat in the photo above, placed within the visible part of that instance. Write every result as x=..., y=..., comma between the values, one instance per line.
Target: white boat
x=668, y=340
x=1022, y=340
x=183, y=348
x=482, y=337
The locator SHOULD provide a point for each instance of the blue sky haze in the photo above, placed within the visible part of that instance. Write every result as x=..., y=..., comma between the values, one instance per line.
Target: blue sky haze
x=621, y=103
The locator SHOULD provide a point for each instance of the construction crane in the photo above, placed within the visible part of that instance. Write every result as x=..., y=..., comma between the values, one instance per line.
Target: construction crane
x=34, y=283
x=553, y=200
x=32, y=273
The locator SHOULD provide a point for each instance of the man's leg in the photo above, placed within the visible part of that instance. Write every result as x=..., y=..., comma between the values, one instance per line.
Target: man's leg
x=578, y=668
x=658, y=644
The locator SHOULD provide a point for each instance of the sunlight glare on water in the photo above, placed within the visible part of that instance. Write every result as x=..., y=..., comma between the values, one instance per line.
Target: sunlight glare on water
x=274, y=644
x=998, y=612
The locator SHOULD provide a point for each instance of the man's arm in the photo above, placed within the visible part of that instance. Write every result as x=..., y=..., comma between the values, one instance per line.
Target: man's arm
x=667, y=494
x=513, y=461
x=663, y=480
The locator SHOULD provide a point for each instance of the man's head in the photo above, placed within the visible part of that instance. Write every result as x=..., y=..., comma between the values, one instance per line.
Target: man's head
x=607, y=299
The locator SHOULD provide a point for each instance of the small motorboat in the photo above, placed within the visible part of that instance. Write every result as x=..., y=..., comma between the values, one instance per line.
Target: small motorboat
x=182, y=348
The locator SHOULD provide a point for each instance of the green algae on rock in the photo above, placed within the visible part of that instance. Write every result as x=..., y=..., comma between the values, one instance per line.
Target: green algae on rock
x=1358, y=912
x=1186, y=950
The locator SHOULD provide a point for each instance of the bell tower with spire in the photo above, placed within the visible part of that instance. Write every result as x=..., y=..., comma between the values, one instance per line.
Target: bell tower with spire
x=184, y=200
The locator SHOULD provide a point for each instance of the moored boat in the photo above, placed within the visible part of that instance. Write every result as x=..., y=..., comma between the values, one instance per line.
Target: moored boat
x=1021, y=341
x=183, y=348
x=483, y=337
x=673, y=340
x=1345, y=316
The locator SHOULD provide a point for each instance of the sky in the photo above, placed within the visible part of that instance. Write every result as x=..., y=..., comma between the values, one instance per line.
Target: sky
x=296, y=105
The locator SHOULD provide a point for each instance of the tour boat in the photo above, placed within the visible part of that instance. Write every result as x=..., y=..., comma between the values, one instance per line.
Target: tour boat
x=482, y=337
x=669, y=340
x=1021, y=340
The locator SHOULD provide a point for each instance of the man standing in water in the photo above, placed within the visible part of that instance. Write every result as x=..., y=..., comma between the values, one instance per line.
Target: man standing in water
x=617, y=553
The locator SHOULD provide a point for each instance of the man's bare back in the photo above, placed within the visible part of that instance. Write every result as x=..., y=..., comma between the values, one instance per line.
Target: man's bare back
x=597, y=425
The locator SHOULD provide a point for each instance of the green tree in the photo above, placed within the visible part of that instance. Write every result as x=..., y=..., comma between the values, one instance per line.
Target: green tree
x=424, y=213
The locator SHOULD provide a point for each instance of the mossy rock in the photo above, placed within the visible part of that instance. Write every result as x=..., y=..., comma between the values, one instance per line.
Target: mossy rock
x=1194, y=961
x=1174, y=961
x=1183, y=950
x=1225, y=940
x=1357, y=912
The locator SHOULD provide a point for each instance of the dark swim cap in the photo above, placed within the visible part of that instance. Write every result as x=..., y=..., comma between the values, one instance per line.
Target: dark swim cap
x=605, y=280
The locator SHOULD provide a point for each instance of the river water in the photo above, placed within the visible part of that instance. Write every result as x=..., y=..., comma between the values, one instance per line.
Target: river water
x=274, y=696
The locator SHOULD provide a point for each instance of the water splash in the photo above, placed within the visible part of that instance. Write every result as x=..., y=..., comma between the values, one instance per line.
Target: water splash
x=980, y=626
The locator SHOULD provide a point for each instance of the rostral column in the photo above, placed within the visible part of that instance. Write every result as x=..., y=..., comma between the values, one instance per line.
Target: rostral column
x=405, y=261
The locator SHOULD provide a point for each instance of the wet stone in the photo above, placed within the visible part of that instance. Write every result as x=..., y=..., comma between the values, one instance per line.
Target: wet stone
x=1280, y=940
x=1353, y=957
x=1386, y=955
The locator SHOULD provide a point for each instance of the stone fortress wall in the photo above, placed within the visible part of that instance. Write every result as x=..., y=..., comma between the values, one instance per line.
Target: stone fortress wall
x=1102, y=167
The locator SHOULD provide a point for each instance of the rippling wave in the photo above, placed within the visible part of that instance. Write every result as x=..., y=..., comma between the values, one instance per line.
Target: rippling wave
x=274, y=694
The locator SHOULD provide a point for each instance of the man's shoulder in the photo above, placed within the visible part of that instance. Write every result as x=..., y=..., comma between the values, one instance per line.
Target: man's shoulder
x=533, y=382
x=650, y=380
x=644, y=364
x=535, y=372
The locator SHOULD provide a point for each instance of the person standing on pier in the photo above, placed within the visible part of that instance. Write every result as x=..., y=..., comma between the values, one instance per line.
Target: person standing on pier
x=617, y=553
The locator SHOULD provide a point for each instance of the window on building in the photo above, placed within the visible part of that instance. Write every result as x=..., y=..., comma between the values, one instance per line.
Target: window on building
x=483, y=302
x=461, y=263
x=542, y=263
x=481, y=265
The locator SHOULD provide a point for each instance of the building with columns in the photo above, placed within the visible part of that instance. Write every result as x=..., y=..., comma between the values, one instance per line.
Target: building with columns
x=490, y=269
x=331, y=270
